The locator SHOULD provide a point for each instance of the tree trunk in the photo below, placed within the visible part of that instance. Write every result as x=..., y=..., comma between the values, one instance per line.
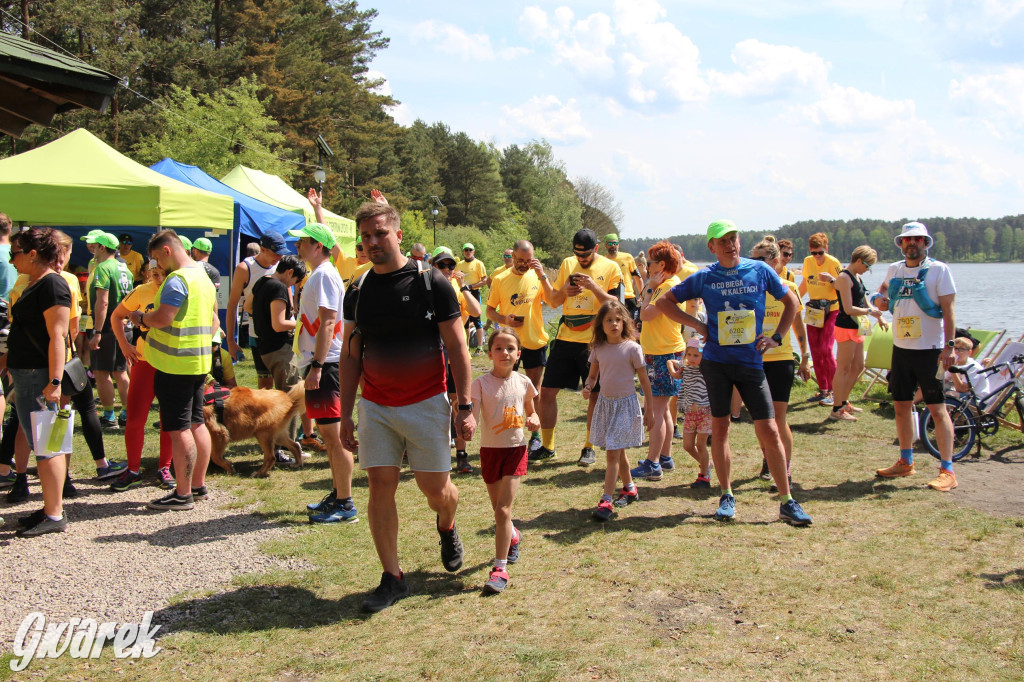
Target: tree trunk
x=216, y=24
x=24, y=19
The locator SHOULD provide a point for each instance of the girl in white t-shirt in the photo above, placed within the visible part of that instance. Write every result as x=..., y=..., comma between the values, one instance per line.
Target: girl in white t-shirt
x=503, y=406
x=617, y=423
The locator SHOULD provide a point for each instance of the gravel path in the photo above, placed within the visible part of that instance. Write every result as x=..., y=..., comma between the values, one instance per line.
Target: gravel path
x=117, y=559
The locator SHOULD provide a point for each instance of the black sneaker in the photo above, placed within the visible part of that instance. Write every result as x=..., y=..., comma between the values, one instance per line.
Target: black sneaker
x=126, y=481
x=462, y=464
x=451, y=549
x=765, y=475
x=540, y=453
x=19, y=491
x=283, y=457
x=172, y=502
x=200, y=493
x=108, y=422
x=513, y=549
x=46, y=525
x=390, y=590
x=69, y=489
x=327, y=502
x=626, y=498
x=587, y=457
x=32, y=519
x=774, y=488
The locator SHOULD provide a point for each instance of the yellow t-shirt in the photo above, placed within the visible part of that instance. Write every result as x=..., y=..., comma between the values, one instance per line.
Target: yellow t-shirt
x=628, y=266
x=134, y=261
x=346, y=266
x=815, y=287
x=772, y=313
x=498, y=270
x=360, y=269
x=578, y=311
x=461, y=297
x=515, y=294
x=788, y=275
x=141, y=298
x=474, y=270
x=662, y=335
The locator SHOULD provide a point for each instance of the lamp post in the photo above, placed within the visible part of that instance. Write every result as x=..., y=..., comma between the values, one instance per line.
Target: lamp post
x=433, y=214
x=322, y=150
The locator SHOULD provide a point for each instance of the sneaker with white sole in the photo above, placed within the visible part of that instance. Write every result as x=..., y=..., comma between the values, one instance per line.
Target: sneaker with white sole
x=172, y=502
x=726, y=508
x=497, y=581
x=647, y=470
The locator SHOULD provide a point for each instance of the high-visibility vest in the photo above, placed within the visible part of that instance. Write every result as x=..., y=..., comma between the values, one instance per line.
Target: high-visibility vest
x=186, y=346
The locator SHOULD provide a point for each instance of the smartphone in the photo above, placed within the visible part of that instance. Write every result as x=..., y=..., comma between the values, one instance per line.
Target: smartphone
x=574, y=280
x=518, y=318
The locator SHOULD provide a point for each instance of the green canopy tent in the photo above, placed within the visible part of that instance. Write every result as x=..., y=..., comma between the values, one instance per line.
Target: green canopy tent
x=275, y=191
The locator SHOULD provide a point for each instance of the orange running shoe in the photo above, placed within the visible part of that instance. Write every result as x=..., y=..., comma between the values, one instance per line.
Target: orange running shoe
x=313, y=443
x=900, y=468
x=945, y=482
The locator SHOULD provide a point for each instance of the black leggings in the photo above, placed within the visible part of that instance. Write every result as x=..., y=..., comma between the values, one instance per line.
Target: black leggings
x=85, y=404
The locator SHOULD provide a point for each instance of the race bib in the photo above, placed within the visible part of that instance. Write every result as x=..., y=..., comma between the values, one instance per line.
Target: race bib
x=864, y=325
x=815, y=317
x=908, y=327
x=736, y=327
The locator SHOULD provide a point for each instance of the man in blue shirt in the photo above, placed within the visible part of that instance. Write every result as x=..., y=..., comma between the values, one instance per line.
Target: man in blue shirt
x=733, y=291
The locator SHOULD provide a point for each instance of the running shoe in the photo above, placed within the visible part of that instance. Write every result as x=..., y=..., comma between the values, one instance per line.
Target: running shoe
x=676, y=434
x=667, y=463
x=540, y=453
x=164, y=478
x=533, y=444
x=513, y=549
x=6, y=481
x=945, y=481
x=701, y=482
x=817, y=397
x=69, y=489
x=773, y=488
x=841, y=415
x=766, y=474
x=451, y=549
x=726, y=508
x=46, y=525
x=792, y=513
x=200, y=493
x=462, y=465
x=112, y=470
x=626, y=497
x=108, y=422
x=19, y=491
x=587, y=457
x=122, y=418
x=604, y=510
x=390, y=590
x=282, y=457
x=32, y=519
x=827, y=400
x=852, y=409
x=312, y=443
x=497, y=581
x=329, y=499
x=900, y=468
x=336, y=513
x=126, y=481
x=646, y=470
x=172, y=502
x=735, y=418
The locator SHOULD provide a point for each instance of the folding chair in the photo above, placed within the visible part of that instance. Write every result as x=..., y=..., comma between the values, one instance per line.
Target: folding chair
x=877, y=357
x=986, y=339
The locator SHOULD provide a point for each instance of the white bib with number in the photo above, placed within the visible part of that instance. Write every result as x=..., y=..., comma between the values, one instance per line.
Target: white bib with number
x=815, y=317
x=736, y=327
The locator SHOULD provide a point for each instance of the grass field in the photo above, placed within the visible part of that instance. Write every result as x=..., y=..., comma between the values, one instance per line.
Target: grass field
x=893, y=581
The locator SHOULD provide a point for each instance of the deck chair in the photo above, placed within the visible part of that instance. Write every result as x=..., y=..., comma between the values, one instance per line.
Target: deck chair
x=877, y=357
x=986, y=340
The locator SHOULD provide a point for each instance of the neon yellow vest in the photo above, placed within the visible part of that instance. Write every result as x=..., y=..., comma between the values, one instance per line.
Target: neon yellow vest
x=185, y=347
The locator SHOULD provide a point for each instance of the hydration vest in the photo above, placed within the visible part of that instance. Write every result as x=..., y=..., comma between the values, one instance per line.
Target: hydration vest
x=901, y=288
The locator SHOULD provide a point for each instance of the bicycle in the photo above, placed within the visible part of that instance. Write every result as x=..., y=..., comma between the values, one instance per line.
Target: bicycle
x=974, y=417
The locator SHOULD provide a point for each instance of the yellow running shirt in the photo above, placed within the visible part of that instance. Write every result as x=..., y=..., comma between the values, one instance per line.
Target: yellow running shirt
x=628, y=266
x=772, y=313
x=815, y=287
x=141, y=298
x=578, y=311
x=662, y=335
x=474, y=270
x=515, y=294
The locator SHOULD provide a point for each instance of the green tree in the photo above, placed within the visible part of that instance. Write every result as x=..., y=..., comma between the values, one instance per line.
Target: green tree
x=1006, y=246
x=472, y=183
x=990, y=242
x=939, y=247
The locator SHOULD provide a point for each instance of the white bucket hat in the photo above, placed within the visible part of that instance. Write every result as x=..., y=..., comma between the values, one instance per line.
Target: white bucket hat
x=915, y=229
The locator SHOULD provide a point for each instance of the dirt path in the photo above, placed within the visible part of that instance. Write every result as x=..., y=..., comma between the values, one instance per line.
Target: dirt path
x=994, y=483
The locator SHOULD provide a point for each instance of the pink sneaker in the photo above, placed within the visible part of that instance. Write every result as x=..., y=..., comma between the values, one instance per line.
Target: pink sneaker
x=164, y=478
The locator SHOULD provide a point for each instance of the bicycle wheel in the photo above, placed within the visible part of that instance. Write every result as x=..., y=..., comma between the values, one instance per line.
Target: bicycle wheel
x=965, y=430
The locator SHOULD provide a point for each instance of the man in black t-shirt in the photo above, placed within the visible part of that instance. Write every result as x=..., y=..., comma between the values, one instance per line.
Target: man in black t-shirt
x=273, y=318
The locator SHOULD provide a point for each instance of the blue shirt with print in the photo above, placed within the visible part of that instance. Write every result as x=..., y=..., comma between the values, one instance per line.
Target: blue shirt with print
x=731, y=289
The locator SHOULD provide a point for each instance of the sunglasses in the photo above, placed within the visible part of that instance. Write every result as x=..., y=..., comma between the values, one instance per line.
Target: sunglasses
x=612, y=243
x=787, y=254
x=912, y=239
x=359, y=247
x=418, y=257
x=758, y=258
x=446, y=265
x=583, y=254
x=15, y=253
x=507, y=257
x=817, y=253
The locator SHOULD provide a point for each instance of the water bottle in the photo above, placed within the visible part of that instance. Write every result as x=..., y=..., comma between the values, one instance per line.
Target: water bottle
x=60, y=427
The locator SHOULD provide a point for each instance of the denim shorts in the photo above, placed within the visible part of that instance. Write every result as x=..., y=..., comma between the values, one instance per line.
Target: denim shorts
x=28, y=391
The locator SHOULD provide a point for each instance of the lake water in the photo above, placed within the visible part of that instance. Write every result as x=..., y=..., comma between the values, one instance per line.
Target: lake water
x=987, y=295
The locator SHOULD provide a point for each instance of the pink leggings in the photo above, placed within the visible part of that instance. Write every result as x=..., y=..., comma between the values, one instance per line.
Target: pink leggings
x=140, y=399
x=820, y=341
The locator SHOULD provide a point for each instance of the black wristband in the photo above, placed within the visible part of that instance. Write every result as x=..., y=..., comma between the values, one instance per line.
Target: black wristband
x=468, y=407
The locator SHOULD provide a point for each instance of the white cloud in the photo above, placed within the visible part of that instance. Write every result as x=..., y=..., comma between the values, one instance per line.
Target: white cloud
x=768, y=71
x=401, y=112
x=546, y=117
x=632, y=173
x=847, y=108
x=996, y=98
x=453, y=40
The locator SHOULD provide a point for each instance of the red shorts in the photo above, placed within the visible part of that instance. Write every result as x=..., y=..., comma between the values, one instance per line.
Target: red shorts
x=324, y=404
x=496, y=463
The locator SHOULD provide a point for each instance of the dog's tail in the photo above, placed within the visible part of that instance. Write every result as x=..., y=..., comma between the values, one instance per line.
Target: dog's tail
x=297, y=393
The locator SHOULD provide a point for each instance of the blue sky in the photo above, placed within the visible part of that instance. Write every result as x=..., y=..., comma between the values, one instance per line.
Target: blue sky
x=765, y=112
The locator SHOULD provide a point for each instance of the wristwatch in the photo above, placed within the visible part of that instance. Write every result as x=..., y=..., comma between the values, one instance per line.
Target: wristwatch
x=777, y=338
x=950, y=344
x=466, y=288
x=468, y=407
x=55, y=382
x=316, y=364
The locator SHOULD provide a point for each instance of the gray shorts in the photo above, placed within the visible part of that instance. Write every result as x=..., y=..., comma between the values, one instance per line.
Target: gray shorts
x=282, y=366
x=420, y=430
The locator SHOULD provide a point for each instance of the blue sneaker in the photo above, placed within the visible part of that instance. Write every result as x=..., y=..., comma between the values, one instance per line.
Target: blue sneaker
x=329, y=499
x=667, y=463
x=112, y=470
x=336, y=513
x=726, y=508
x=792, y=513
x=647, y=471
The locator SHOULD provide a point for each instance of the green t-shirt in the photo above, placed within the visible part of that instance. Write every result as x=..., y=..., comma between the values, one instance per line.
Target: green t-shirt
x=115, y=277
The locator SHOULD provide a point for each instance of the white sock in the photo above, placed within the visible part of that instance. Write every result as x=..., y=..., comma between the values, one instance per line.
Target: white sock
x=54, y=518
x=501, y=563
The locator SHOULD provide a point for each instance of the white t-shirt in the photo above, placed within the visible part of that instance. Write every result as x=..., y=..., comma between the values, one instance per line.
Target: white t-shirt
x=978, y=382
x=501, y=408
x=911, y=328
x=323, y=289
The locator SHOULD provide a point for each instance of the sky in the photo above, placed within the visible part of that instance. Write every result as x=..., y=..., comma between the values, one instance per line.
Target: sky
x=764, y=112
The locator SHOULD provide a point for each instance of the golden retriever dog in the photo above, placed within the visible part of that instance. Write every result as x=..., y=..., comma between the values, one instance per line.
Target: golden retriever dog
x=263, y=414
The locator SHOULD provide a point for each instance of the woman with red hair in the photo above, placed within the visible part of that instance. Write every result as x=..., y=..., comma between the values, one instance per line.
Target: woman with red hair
x=819, y=278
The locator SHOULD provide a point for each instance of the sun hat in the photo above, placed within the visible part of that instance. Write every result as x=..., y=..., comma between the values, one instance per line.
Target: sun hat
x=90, y=234
x=203, y=244
x=104, y=239
x=468, y=245
x=915, y=229
x=318, y=232
x=720, y=228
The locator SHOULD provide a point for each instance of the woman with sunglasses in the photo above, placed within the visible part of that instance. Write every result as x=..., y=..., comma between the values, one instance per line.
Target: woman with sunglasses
x=853, y=307
x=785, y=256
x=820, y=272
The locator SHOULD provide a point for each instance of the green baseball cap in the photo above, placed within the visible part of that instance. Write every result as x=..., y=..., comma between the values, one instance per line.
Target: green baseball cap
x=467, y=245
x=203, y=244
x=90, y=234
x=185, y=241
x=103, y=238
x=611, y=237
x=317, y=232
x=442, y=250
x=720, y=228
